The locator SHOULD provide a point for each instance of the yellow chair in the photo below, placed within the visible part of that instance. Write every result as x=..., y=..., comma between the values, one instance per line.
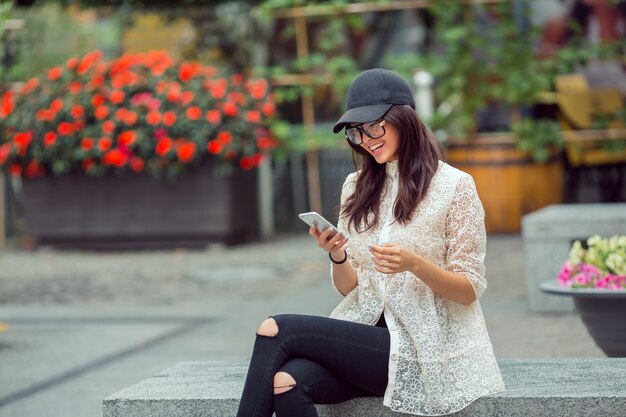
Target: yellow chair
x=579, y=106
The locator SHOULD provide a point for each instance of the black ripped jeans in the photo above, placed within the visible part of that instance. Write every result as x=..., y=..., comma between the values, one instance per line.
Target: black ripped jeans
x=331, y=361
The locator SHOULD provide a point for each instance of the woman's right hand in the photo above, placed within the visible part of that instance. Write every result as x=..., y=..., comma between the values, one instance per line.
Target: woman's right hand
x=336, y=244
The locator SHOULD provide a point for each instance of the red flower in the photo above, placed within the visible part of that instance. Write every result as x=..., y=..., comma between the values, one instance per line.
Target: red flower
x=101, y=112
x=34, y=169
x=96, y=81
x=268, y=109
x=44, y=115
x=120, y=114
x=115, y=157
x=77, y=111
x=188, y=70
x=65, y=128
x=230, y=109
x=15, y=170
x=97, y=100
x=117, y=96
x=218, y=88
x=30, y=85
x=21, y=140
x=224, y=137
x=72, y=63
x=169, y=118
x=214, y=147
x=194, y=113
x=164, y=146
x=136, y=164
x=127, y=138
x=246, y=163
x=161, y=87
x=108, y=127
x=7, y=104
x=55, y=73
x=249, y=162
x=153, y=118
x=56, y=105
x=257, y=89
x=253, y=116
x=49, y=139
x=75, y=87
x=187, y=97
x=86, y=144
x=5, y=151
x=186, y=152
x=213, y=116
x=130, y=118
x=266, y=142
x=104, y=144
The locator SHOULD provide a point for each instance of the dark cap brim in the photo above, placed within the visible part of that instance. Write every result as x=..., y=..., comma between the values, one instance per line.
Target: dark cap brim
x=361, y=114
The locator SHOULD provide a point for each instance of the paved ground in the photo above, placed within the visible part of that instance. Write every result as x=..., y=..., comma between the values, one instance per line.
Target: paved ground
x=77, y=327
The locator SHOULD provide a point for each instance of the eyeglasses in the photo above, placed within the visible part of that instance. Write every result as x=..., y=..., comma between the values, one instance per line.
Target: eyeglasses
x=373, y=130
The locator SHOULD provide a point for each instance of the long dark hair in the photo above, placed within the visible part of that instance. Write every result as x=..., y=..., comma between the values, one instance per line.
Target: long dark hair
x=418, y=159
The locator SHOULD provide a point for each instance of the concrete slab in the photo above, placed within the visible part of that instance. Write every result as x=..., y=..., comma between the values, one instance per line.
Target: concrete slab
x=540, y=387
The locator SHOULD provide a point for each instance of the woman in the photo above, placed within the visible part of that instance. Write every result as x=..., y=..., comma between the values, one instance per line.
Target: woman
x=409, y=261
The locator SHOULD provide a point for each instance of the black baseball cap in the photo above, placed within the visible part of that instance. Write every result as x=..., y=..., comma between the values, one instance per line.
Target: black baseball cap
x=372, y=94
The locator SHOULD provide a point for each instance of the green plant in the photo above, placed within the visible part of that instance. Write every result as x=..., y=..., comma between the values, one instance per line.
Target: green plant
x=538, y=137
x=138, y=112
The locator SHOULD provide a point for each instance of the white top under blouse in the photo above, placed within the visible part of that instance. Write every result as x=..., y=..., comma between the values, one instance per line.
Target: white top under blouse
x=441, y=358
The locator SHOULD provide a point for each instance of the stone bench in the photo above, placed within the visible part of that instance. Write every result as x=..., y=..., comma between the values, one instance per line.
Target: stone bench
x=535, y=387
x=548, y=235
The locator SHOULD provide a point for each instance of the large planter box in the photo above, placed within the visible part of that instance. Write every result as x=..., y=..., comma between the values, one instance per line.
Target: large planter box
x=138, y=211
x=508, y=182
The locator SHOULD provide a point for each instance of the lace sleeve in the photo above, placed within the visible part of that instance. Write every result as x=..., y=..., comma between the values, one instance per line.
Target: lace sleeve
x=465, y=235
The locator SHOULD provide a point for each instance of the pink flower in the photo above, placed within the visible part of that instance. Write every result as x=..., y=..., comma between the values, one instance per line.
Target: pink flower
x=602, y=283
x=582, y=279
x=159, y=134
x=564, y=275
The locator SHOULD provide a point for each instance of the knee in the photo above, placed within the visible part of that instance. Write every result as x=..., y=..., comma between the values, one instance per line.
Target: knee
x=269, y=327
x=283, y=382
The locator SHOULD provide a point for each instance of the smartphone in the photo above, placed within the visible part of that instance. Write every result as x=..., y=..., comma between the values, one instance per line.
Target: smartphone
x=312, y=218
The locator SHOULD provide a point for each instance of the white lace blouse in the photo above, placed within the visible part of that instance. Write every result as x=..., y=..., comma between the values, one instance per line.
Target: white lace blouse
x=441, y=358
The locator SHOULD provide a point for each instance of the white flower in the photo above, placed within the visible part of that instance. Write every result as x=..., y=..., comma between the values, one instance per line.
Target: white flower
x=576, y=253
x=617, y=262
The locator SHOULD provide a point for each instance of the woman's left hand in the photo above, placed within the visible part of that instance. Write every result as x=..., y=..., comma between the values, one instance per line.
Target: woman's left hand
x=392, y=258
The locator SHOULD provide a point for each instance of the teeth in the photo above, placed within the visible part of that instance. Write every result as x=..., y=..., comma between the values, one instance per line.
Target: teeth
x=373, y=148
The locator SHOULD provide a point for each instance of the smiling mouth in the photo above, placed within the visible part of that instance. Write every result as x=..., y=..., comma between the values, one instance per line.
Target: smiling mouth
x=376, y=147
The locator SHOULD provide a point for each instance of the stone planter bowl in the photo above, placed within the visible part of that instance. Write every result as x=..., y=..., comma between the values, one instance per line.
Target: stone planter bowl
x=602, y=311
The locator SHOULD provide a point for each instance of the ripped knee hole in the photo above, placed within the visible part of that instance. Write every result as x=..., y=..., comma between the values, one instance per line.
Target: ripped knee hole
x=269, y=327
x=283, y=382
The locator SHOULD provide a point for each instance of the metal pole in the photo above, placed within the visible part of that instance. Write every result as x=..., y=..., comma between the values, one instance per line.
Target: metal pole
x=266, y=198
x=2, y=214
x=308, y=116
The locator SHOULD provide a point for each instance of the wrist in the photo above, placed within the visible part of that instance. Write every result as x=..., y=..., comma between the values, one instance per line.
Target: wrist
x=416, y=264
x=338, y=258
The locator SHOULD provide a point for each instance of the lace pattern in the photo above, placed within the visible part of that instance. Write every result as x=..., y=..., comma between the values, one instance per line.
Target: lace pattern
x=441, y=356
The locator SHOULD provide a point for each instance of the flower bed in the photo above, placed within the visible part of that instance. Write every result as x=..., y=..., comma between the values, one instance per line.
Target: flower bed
x=140, y=112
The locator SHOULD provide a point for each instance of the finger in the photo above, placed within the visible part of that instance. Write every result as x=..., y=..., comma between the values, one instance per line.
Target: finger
x=326, y=233
x=376, y=249
x=384, y=270
x=341, y=245
x=331, y=244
